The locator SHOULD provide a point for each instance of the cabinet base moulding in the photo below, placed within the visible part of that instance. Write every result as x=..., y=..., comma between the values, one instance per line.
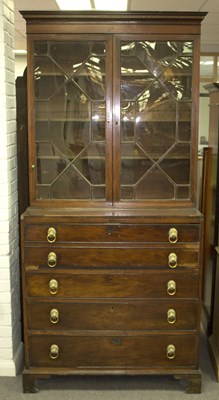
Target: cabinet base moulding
x=191, y=379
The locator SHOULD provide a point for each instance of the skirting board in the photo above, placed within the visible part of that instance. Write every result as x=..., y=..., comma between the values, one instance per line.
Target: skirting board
x=14, y=366
x=213, y=351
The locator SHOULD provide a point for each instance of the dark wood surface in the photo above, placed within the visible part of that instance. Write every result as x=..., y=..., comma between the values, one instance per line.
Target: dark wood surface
x=112, y=257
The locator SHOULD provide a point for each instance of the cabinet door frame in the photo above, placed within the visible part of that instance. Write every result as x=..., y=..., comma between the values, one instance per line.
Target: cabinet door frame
x=117, y=201
x=77, y=203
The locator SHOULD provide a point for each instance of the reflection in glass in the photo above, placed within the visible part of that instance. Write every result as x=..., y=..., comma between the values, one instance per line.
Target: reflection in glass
x=69, y=56
x=91, y=78
x=178, y=78
x=48, y=78
x=156, y=87
x=157, y=56
x=98, y=120
x=135, y=78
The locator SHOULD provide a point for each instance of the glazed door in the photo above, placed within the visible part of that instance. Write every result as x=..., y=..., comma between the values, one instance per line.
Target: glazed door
x=114, y=121
x=72, y=151
x=155, y=143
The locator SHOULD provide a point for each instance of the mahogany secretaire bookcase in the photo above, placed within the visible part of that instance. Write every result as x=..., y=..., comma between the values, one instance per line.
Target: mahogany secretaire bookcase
x=111, y=240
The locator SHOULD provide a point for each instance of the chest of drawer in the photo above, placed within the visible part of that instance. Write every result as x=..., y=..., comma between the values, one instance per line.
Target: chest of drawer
x=155, y=350
x=105, y=233
x=116, y=256
x=113, y=315
x=112, y=284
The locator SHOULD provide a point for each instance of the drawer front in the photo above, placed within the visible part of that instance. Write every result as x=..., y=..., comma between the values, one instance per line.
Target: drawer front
x=135, y=315
x=112, y=284
x=109, y=257
x=105, y=233
x=113, y=351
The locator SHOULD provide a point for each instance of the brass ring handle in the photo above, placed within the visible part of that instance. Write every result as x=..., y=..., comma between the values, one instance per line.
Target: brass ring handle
x=171, y=351
x=173, y=235
x=52, y=259
x=172, y=260
x=54, y=351
x=53, y=286
x=51, y=235
x=171, y=316
x=54, y=316
x=171, y=288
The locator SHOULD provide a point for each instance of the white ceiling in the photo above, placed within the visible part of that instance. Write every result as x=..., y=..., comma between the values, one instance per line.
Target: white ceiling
x=210, y=25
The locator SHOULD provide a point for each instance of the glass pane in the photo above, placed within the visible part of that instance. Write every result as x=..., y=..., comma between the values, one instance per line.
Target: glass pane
x=49, y=163
x=178, y=78
x=135, y=78
x=70, y=117
x=156, y=55
x=134, y=164
x=127, y=121
x=42, y=112
x=70, y=185
x=91, y=163
x=48, y=78
x=42, y=131
x=186, y=48
x=98, y=120
x=156, y=123
x=98, y=192
x=156, y=87
x=155, y=185
x=43, y=192
x=98, y=48
x=184, y=121
x=183, y=192
x=41, y=48
x=177, y=163
x=70, y=56
x=70, y=103
x=70, y=137
x=91, y=78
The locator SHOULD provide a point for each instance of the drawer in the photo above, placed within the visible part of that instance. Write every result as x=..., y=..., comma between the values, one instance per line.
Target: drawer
x=117, y=284
x=105, y=233
x=119, y=351
x=110, y=257
x=112, y=315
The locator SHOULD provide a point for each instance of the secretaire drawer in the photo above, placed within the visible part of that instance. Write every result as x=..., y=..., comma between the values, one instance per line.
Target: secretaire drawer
x=168, y=257
x=113, y=315
x=112, y=284
x=155, y=350
x=157, y=233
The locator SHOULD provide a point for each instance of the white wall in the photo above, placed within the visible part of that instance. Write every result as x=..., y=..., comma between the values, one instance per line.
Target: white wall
x=20, y=64
x=11, y=349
